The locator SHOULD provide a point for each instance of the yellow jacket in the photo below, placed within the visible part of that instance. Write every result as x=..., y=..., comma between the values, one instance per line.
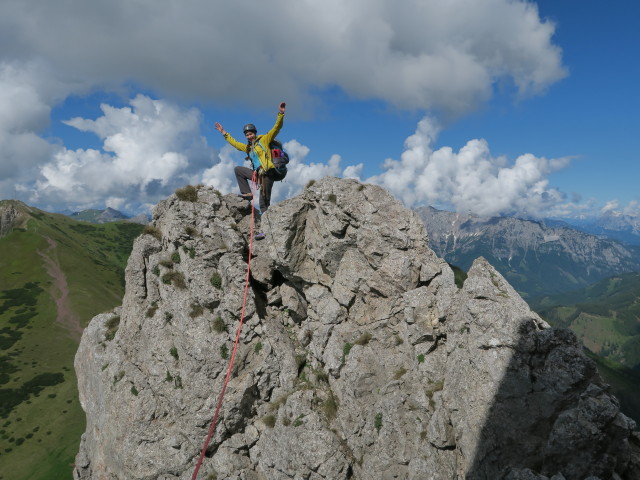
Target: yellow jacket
x=259, y=151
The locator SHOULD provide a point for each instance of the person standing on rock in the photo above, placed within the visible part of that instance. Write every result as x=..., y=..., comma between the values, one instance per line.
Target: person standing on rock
x=259, y=152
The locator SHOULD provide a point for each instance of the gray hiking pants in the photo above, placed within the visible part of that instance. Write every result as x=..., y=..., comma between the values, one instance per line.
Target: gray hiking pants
x=244, y=174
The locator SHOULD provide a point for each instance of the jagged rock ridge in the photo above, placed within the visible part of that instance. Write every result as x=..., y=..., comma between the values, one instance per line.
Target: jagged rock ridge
x=359, y=356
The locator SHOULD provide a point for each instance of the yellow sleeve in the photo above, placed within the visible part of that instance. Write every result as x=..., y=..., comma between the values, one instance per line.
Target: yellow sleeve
x=235, y=143
x=273, y=133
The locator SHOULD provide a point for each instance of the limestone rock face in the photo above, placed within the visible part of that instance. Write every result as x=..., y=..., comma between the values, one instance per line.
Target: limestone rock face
x=12, y=214
x=358, y=358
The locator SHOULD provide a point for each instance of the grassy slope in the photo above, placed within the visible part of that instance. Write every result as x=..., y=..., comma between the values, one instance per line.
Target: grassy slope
x=606, y=318
x=40, y=426
x=625, y=384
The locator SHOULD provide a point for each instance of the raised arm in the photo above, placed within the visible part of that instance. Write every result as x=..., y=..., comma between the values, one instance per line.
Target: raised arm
x=271, y=134
x=227, y=136
x=218, y=127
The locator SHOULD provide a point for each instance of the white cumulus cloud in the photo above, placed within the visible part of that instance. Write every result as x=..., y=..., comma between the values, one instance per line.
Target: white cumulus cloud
x=443, y=54
x=446, y=56
x=149, y=148
x=470, y=180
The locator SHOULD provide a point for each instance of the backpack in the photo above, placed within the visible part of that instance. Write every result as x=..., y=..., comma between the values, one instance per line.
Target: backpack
x=279, y=157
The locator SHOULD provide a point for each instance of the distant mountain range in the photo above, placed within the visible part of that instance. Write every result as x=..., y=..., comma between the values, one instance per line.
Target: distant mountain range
x=106, y=216
x=536, y=258
x=625, y=228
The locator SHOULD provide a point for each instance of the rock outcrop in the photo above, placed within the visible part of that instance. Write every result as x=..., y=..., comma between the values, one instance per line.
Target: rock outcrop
x=359, y=356
x=12, y=214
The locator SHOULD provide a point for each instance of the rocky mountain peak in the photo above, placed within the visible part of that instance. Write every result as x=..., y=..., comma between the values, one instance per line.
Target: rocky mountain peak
x=99, y=216
x=359, y=356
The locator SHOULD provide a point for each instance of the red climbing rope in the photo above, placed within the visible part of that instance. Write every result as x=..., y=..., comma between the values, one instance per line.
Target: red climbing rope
x=235, y=345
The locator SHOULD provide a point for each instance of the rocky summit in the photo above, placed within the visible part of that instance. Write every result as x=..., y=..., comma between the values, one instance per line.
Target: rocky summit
x=359, y=357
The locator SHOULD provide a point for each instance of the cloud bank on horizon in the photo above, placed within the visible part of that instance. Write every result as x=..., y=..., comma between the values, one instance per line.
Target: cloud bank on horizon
x=443, y=57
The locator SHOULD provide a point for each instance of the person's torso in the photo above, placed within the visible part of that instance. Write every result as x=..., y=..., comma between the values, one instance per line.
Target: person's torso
x=259, y=155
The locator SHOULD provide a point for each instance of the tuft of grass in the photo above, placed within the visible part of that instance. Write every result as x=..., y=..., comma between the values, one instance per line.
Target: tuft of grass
x=173, y=351
x=118, y=377
x=134, y=390
x=218, y=325
x=330, y=407
x=187, y=194
x=345, y=351
x=399, y=373
x=421, y=358
x=156, y=271
x=196, y=310
x=175, y=278
x=168, y=316
x=191, y=231
x=224, y=351
x=310, y=183
x=151, y=311
x=377, y=422
x=190, y=251
x=112, y=327
x=322, y=376
x=433, y=388
x=257, y=348
x=175, y=257
x=277, y=403
x=364, y=339
x=216, y=280
x=332, y=198
x=153, y=231
x=269, y=420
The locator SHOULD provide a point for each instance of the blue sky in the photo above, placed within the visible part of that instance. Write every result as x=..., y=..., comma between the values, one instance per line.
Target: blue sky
x=492, y=107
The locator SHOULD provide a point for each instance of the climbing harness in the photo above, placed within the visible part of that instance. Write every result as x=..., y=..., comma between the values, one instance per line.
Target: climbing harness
x=235, y=345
